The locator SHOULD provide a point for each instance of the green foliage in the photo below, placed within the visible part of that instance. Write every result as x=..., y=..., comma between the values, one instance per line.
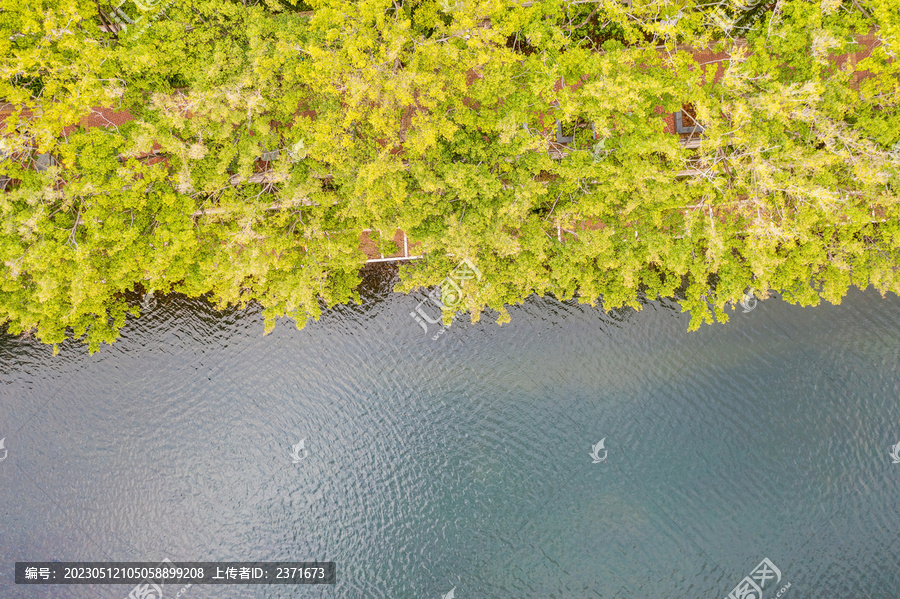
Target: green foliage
x=436, y=117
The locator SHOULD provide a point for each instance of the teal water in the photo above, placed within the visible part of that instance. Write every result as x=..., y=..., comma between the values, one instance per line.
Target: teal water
x=463, y=461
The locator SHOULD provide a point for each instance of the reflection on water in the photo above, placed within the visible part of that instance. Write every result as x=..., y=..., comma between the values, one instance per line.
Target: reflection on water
x=465, y=461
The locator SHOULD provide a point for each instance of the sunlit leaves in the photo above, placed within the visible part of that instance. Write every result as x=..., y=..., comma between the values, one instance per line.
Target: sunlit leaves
x=265, y=141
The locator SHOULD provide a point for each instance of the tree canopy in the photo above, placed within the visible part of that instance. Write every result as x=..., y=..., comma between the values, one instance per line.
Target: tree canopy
x=238, y=149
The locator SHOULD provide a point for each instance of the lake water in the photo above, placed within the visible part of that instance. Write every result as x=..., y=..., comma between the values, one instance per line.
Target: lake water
x=463, y=462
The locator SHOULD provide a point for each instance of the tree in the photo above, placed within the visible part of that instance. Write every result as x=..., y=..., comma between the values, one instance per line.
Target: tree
x=265, y=139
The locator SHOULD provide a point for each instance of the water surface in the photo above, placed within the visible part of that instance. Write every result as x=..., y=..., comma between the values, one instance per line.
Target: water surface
x=463, y=461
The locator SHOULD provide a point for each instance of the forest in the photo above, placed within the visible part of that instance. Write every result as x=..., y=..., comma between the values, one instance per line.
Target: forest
x=610, y=151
